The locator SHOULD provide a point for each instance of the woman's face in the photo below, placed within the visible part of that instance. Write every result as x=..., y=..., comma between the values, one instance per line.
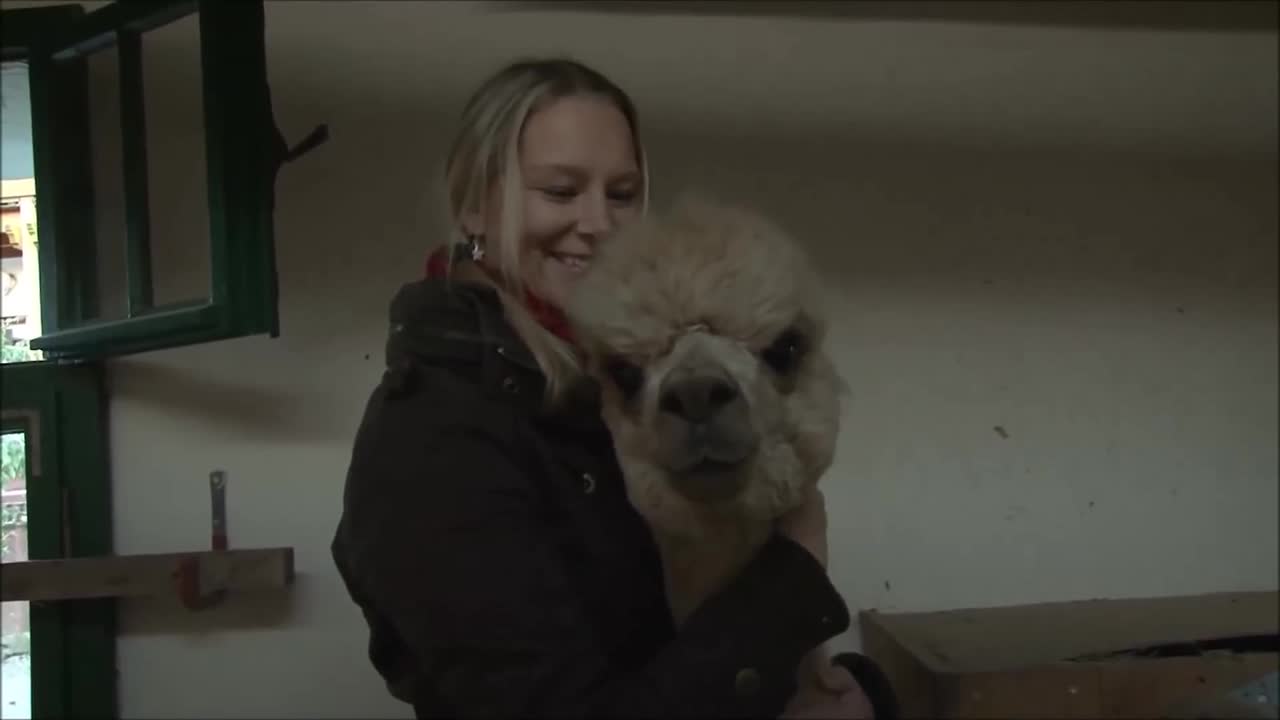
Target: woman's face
x=581, y=181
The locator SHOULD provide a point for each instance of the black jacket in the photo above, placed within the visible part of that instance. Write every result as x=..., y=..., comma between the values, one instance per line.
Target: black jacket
x=498, y=563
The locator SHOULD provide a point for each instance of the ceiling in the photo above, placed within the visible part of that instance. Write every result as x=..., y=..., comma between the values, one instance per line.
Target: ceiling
x=1196, y=15
x=1144, y=74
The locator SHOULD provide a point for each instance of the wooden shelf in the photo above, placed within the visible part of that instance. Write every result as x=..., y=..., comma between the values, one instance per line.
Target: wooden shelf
x=197, y=578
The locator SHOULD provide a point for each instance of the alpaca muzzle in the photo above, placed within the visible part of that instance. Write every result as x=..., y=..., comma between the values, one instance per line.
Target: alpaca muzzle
x=706, y=427
x=698, y=399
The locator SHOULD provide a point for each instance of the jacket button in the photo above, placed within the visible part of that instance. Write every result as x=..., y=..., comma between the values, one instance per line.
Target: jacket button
x=747, y=683
x=509, y=385
x=588, y=483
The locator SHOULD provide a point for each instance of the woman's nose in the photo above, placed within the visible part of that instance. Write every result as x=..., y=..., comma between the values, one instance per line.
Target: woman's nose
x=594, y=217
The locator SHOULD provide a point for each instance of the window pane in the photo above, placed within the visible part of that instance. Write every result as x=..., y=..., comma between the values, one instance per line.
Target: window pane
x=15, y=685
x=107, y=156
x=176, y=168
x=163, y=141
x=20, y=304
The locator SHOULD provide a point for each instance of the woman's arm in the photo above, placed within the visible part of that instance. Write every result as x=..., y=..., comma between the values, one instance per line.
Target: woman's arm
x=443, y=539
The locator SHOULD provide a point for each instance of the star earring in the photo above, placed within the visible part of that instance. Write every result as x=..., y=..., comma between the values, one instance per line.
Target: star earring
x=475, y=248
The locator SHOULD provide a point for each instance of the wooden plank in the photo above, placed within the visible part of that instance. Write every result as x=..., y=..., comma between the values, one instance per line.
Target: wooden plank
x=913, y=683
x=1057, y=659
x=1002, y=638
x=1181, y=686
x=125, y=576
x=1043, y=692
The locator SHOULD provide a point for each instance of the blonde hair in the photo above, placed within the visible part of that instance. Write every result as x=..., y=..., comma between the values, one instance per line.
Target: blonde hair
x=486, y=151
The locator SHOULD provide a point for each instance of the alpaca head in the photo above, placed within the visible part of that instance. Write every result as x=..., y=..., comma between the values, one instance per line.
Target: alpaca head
x=704, y=329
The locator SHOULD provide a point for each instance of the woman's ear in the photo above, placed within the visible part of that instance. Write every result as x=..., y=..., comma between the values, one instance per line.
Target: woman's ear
x=473, y=223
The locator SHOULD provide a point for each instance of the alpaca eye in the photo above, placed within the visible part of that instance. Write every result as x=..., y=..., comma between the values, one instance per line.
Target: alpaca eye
x=785, y=352
x=626, y=375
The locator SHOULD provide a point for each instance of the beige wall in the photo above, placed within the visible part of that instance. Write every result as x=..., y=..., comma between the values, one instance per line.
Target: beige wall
x=1068, y=234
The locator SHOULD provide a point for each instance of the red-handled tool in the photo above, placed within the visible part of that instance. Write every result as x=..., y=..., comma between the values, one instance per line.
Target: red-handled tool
x=191, y=582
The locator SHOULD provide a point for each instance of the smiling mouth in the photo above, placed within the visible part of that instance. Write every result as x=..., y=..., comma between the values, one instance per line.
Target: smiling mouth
x=576, y=263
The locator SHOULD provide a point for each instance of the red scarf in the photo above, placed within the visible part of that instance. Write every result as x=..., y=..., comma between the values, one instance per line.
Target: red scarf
x=549, y=316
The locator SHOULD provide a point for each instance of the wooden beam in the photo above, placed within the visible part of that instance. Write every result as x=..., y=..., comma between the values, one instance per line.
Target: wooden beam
x=207, y=574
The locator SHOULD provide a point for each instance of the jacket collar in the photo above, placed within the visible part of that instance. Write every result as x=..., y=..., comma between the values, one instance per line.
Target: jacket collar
x=437, y=321
x=435, y=318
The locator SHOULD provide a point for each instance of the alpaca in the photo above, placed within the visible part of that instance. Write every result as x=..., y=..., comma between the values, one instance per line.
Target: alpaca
x=704, y=330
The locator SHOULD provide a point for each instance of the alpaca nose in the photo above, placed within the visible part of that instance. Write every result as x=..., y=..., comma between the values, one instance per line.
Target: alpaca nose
x=697, y=398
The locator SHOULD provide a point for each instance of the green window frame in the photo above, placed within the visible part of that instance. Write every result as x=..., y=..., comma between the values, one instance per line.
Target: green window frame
x=61, y=409
x=243, y=151
x=60, y=402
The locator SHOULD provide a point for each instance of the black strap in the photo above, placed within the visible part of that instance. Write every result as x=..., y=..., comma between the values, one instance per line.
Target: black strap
x=874, y=683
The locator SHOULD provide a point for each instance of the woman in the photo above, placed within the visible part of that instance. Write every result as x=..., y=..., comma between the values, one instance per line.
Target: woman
x=485, y=533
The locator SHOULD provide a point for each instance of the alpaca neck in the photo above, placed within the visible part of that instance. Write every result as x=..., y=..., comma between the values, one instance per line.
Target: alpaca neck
x=697, y=565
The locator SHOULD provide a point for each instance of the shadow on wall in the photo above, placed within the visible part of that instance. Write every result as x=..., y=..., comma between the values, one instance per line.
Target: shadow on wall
x=1075, y=229
x=210, y=404
x=876, y=211
x=953, y=224
x=1051, y=236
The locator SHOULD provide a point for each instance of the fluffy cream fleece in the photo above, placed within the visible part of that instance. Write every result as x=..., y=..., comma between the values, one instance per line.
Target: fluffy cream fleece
x=710, y=291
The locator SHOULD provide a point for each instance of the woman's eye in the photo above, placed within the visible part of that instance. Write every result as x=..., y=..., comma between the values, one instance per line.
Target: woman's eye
x=626, y=375
x=560, y=193
x=785, y=352
x=623, y=197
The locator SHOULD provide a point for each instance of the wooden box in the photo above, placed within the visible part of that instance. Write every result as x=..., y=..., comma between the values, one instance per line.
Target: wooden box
x=1175, y=657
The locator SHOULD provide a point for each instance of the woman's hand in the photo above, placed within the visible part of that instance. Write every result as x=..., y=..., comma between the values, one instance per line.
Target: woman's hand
x=837, y=696
x=831, y=692
x=807, y=525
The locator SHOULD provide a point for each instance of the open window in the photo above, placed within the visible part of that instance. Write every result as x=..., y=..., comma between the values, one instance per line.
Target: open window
x=145, y=132
x=108, y=184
